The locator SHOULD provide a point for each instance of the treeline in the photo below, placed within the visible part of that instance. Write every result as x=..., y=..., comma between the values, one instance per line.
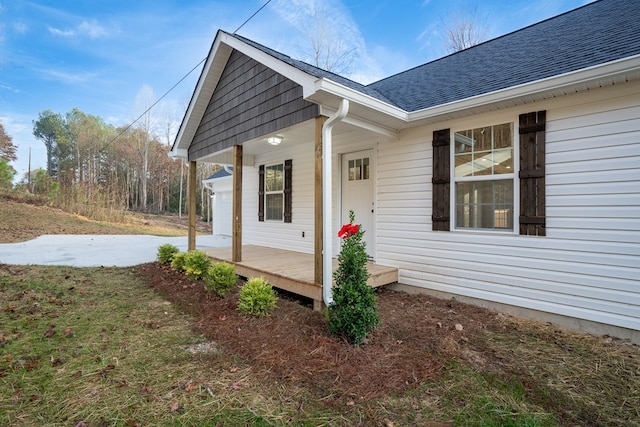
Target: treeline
x=99, y=170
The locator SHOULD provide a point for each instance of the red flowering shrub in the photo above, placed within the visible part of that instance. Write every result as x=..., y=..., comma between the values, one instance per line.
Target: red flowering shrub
x=348, y=230
x=353, y=313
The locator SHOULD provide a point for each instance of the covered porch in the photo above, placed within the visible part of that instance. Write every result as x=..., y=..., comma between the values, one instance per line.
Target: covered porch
x=267, y=116
x=292, y=271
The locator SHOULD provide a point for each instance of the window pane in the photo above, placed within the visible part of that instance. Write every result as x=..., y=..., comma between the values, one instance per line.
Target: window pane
x=464, y=165
x=365, y=168
x=503, y=136
x=274, y=178
x=483, y=163
x=482, y=137
x=503, y=161
x=490, y=148
x=463, y=141
x=486, y=204
x=274, y=206
x=352, y=170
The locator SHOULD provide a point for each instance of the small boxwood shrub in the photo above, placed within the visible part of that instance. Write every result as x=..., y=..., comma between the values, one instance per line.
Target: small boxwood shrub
x=221, y=278
x=196, y=264
x=178, y=261
x=257, y=297
x=166, y=253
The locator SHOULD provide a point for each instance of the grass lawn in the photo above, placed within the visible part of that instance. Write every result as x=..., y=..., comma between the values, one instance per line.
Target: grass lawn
x=98, y=347
x=145, y=346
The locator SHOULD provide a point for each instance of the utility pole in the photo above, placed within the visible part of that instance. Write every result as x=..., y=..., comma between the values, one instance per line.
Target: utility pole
x=181, y=179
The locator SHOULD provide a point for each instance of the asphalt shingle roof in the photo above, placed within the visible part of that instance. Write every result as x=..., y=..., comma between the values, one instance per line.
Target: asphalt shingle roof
x=221, y=173
x=315, y=71
x=594, y=34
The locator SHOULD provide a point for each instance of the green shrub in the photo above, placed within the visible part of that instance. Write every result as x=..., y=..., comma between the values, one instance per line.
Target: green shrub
x=353, y=313
x=257, y=297
x=166, y=253
x=221, y=278
x=178, y=261
x=196, y=264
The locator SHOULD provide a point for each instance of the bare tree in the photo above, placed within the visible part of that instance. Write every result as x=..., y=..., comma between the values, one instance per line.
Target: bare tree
x=168, y=125
x=464, y=28
x=144, y=101
x=328, y=50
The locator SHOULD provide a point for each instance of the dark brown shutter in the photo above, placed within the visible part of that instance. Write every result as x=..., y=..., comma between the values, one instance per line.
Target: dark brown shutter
x=441, y=180
x=532, y=174
x=288, y=167
x=261, y=193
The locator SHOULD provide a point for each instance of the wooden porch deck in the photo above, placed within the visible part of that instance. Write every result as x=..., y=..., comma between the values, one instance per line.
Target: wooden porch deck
x=292, y=271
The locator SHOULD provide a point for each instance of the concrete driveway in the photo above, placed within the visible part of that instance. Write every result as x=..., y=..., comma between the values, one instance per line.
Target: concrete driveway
x=97, y=250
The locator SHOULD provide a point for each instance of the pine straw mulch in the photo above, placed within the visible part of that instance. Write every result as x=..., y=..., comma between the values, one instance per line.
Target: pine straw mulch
x=415, y=338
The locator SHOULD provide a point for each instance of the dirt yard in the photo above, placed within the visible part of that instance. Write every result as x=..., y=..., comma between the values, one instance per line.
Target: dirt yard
x=20, y=222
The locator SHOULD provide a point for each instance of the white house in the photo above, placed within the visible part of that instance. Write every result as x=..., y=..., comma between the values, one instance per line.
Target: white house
x=507, y=174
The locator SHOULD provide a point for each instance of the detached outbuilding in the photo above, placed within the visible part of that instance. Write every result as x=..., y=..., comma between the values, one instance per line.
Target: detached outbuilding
x=507, y=174
x=220, y=186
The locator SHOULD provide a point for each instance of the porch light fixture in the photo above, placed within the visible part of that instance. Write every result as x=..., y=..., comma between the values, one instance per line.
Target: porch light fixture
x=275, y=140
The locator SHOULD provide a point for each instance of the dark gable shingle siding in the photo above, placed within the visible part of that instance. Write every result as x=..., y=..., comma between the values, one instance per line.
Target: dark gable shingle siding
x=594, y=34
x=250, y=101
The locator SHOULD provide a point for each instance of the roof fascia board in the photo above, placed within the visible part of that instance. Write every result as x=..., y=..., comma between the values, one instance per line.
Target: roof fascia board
x=211, y=72
x=575, y=78
x=357, y=97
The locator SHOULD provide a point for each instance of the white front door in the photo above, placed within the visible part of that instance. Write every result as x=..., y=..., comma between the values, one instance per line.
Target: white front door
x=357, y=194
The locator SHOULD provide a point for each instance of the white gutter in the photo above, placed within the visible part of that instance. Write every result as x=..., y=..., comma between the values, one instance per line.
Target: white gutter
x=327, y=231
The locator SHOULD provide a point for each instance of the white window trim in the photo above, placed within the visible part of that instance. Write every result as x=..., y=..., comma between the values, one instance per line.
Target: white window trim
x=453, y=196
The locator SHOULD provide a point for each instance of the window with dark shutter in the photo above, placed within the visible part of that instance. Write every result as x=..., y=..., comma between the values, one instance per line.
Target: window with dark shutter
x=532, y=174
x=288, y=167
x=261, y=193
x=441, y=180
x=275, y=192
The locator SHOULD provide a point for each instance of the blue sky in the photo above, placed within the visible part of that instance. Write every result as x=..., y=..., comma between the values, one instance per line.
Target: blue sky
x=99, y=55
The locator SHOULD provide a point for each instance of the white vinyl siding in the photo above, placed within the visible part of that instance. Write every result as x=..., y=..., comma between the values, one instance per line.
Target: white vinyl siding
x=278, y=234
x=588, y=265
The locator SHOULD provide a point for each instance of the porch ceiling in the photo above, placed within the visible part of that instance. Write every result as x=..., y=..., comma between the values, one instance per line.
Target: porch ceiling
x=300, y=133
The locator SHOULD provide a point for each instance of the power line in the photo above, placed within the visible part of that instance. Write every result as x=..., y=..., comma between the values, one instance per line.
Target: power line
x=152, y=105
x=179, y=81
x=251, y=17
